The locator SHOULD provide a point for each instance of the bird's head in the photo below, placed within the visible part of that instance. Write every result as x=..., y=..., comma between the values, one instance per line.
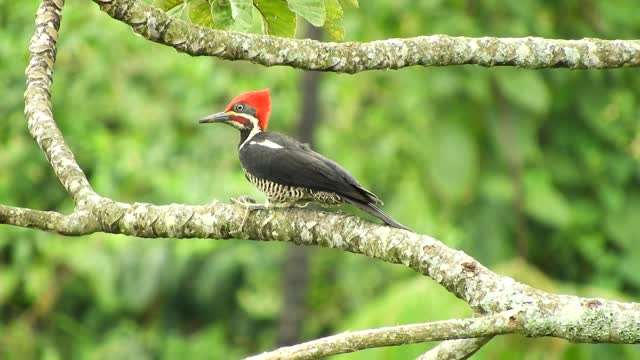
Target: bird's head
x=246, y=111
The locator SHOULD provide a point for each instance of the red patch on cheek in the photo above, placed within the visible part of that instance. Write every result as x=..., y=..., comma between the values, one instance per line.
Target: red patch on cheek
x=240, y=119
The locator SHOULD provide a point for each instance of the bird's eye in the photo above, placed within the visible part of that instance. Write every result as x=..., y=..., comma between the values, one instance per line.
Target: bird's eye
x=238, y=107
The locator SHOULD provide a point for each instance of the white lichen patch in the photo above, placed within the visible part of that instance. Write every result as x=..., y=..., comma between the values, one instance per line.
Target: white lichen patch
x=207, y=222
x=472, y=45
x=129, y=219
x=572, y=55
x=306, y=236
x=408, y=254
x=592, y=58
x=337, y=241
x=568, y=313
x=523, y=52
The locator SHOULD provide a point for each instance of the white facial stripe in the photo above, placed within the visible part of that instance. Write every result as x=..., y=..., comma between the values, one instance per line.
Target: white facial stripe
x=256, y=129
x=253, y=133
x=267, y=143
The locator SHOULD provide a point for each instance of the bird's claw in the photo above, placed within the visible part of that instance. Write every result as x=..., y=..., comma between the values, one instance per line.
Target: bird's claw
x=247, y=202
x=243, y=199
x=251, y=204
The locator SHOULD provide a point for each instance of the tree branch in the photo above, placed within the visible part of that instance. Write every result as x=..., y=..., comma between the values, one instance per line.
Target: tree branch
x=573, y=318
x=37, y=102
x=543, y=314
x=353, y=57
x=79, y=223
x=455, y=349
x=508, y=322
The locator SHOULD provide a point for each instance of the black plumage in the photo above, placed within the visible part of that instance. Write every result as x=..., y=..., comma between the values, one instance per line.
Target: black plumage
x=282, y=160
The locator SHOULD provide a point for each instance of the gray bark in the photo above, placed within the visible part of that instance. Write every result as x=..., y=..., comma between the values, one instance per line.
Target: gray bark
x=508, y=322
x=455, y=349
x=353, y=57
x=539, y=313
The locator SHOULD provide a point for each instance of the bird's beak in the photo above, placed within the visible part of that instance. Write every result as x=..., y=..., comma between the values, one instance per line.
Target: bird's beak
x=217, y=117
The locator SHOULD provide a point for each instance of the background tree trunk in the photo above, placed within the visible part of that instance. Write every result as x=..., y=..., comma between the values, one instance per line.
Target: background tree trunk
x=296, y=269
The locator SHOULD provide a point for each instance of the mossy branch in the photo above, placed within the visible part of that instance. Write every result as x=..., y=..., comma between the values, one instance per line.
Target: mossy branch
x=508, y=322
x=353, y=57
x=538, y=313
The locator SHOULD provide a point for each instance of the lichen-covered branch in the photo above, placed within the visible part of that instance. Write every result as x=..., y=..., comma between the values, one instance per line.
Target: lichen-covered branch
x=37, y=102
x=353, y=57
x=508, y=322
x=81, y=222
x=455, y=349
x=538, y=313
x=573, y=318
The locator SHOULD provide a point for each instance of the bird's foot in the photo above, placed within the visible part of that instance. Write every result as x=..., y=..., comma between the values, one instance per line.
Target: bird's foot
x=243, y=199
x=248, y=203
x=251, y=204
x=285, y=205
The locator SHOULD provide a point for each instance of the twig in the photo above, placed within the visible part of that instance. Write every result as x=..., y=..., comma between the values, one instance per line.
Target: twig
x=569, y=317
x=508, y=322
x=455, y=349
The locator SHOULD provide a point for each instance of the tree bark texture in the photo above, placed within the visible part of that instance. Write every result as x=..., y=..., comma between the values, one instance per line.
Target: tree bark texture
x=537, y=313
x=353, y=57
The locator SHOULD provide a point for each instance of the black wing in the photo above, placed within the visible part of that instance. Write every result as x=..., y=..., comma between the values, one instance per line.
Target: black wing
x=296, y=165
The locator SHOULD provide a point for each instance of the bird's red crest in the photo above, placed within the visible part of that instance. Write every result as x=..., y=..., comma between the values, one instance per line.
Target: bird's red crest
x=259, y=100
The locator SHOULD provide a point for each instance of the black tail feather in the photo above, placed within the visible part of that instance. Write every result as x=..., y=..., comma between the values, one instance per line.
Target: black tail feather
x=377, y=212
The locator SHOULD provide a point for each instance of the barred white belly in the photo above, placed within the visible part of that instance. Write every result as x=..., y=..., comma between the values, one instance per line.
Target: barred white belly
x=279, y=193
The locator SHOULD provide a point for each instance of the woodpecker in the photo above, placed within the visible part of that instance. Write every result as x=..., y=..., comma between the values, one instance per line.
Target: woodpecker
x=287, y=171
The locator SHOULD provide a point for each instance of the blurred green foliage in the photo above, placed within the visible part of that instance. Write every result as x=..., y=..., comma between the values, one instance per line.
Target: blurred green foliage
x=273, y=17
x=505, y=164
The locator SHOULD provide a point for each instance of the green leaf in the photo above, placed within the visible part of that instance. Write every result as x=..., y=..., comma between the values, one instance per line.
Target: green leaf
x=278, y=19
x=524, y=88
x=623, y=225
x=352, y=3
x=242, y=13
x=180, y=11
x=211, y=13
x=37, y=281
x=497, y=187
x=8, y=284
x=628, y=265
x=312, y=10
x=167, y=4
x=452, y=160
x=333, y=24
x=200, y=13
x=216, y=277
x=544, y=202
x=222, y=14
x=142, y=276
